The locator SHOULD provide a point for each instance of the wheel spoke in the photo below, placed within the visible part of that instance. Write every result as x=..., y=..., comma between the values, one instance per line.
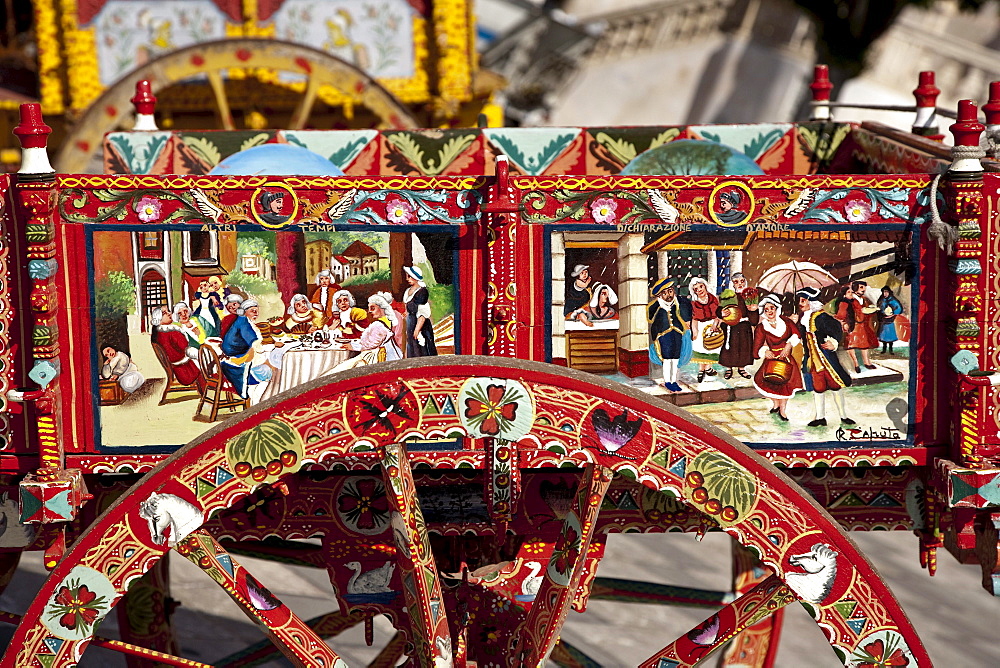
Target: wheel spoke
x=221, y=101
x=539, y=631
x=390, y=654
x=299, y=643
x=635, y=591
x=421, y=580
x=769, y=596
x=757, y=645
x=305, y=105
x=149, y=598
x=329, y=625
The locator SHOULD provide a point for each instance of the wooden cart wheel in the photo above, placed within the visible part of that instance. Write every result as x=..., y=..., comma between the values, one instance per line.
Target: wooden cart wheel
x=212, y=60
x=546, y=417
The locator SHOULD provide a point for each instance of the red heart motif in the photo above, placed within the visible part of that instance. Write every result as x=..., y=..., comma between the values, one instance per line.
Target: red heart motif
x=243, y=54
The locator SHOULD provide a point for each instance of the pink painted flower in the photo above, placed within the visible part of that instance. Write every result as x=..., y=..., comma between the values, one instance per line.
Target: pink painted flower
x=398, y=211
x=858, y=211
x=148, y=209
x=603, y=209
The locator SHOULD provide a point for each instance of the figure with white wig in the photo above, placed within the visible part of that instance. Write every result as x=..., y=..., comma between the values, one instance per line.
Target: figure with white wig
x=821, y=335
x=419, y=330
x=322, y=296
x=378, y=341
x=244, y=362
x=192, y=328
x=302, y=317
x=348, y=321
x=777, y=342
x=180, y=354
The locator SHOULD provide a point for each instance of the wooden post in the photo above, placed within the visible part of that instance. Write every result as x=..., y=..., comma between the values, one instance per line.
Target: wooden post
x=418, y=570
x=926, y=94
x=821, y=88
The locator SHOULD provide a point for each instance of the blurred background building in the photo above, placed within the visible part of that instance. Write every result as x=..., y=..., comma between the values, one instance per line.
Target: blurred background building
x=634, y=62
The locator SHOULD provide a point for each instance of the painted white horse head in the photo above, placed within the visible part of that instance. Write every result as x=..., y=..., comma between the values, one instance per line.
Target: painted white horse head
x=170, y=518
x=820, y=566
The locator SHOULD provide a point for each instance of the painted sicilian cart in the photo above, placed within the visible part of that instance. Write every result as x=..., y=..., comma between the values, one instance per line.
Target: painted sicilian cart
x=244, y=65
x=448, y=374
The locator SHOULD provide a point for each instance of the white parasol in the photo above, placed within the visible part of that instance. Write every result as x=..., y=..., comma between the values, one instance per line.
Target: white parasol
x=793, y=276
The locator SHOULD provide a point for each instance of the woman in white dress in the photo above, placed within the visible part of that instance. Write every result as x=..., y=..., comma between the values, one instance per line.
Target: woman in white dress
x=378, y=341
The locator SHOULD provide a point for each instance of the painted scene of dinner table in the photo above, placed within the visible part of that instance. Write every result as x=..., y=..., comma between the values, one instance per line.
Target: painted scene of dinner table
x=193, y=326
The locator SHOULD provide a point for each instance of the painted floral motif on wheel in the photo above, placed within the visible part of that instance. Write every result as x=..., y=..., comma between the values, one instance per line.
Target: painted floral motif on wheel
x=382, y=413
x=362, y=505
x=81, y=601
x=720, y=487
x=494, y=407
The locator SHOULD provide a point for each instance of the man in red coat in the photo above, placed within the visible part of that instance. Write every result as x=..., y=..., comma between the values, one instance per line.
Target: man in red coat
x=175, y=345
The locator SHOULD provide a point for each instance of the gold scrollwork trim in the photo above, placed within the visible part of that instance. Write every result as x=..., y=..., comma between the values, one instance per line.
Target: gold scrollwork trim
x=588, y=183
x=172, y=182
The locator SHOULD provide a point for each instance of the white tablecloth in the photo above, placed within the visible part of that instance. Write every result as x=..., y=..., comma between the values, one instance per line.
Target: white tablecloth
x=297, y=365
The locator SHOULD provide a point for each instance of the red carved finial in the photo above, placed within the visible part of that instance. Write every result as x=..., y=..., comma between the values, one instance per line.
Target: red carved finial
x=926, y=93
x=144, y=100
x=145, y=105
x=821, y=88
x=33, y=134
x=966, y=129
x=992, y=107
x=821, y=85
x=501, y=198
x=32, y=131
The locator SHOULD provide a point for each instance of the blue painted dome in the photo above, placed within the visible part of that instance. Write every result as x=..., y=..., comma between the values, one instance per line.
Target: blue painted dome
x=277, y=160
x=691, y=156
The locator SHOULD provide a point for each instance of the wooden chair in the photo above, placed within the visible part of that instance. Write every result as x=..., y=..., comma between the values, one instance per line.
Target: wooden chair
x=173, y=385
x=219, y=392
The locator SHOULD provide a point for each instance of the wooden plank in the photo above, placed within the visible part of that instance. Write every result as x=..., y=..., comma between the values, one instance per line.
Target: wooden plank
x=540, y=629
x=299, y=643
x=418, y=570
x=762, y=601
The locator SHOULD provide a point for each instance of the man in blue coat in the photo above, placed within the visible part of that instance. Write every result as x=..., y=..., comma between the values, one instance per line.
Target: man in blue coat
x=238, y=348
x=669, y=320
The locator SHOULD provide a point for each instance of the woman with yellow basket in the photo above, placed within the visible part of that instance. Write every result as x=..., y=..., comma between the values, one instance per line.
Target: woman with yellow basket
x=777, y=342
